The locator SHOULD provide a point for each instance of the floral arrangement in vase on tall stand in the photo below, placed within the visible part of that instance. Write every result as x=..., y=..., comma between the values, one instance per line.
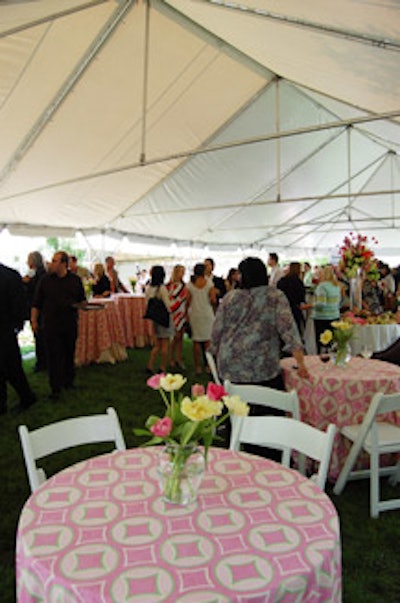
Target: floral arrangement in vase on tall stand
x=356, y=260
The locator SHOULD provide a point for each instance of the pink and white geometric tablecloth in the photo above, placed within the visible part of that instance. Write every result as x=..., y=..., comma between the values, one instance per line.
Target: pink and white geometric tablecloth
x=340, y=395
x=100, y=532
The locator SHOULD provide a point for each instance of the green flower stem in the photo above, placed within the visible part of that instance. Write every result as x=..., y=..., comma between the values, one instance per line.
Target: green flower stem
x=165, y=398
x=178, y=455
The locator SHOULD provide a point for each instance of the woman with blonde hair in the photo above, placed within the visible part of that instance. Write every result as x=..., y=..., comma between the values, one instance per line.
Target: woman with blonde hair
x=178, y=294
x=327, y=298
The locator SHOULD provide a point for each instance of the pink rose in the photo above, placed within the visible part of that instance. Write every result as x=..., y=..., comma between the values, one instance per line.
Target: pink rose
x=197, y=390
x=154, y=381
x=162, y=428
x=215, y=391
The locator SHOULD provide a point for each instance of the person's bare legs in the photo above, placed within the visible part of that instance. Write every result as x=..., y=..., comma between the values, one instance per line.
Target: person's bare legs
x=153, y=354
x=178, y=344
x=164, y=345
x=197, y=354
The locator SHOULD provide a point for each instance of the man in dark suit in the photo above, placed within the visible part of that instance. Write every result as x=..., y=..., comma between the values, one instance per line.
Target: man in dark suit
x=57, y=298
x=13, y=303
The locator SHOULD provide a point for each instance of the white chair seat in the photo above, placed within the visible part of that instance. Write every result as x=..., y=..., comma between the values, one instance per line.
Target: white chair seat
x=388, y=437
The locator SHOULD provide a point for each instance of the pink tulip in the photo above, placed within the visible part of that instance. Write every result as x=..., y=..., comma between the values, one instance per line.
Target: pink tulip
x=162, y=428
x=215, y=391
x=198, y=390
x=154, y=381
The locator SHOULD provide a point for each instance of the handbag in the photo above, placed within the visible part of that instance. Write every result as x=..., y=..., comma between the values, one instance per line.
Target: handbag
x=157, y=311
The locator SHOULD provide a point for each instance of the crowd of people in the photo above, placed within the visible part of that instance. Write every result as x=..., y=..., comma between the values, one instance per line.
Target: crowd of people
x=49, y=295
x=247, y=320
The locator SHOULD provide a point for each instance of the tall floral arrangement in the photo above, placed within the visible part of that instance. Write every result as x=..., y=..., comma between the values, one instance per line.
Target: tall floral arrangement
x=356, y=255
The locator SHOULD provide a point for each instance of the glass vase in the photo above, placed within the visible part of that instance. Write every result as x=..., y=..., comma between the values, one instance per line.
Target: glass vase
x=355, y=293
x=342, y=354
x=180, y=470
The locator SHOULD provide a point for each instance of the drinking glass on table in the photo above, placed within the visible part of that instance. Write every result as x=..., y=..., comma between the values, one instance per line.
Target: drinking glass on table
x=324, y=355
x=367, y=351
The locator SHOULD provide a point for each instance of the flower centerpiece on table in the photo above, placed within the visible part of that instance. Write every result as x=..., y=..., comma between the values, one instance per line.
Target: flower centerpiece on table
x=338, y=339
x=88, y=283
x=356, y=255
x=189, y=422
x=133, y=282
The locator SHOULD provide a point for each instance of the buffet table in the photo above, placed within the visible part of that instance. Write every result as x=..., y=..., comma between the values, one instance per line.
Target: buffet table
x=374, y=337
x=340, y=395
x=100, y=531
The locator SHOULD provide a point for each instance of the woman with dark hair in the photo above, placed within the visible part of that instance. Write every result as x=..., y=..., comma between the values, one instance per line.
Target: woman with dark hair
x=249, y=327
x=294, y=289
x=156, y=288
x=202, y=298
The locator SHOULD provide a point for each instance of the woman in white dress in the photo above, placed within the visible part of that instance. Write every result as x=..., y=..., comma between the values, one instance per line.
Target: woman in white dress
x=202, y=297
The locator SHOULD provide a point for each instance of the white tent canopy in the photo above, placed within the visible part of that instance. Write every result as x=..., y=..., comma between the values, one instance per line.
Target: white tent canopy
x=269, y=125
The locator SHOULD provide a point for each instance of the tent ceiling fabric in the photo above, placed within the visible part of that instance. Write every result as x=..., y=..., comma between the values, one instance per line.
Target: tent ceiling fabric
x=266, y=124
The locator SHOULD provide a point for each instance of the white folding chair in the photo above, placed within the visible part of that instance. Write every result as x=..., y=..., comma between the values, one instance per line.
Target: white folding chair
x=375, y=438
x=265, y=396
x=58, y=436
x=213, y=367
x=287, y=434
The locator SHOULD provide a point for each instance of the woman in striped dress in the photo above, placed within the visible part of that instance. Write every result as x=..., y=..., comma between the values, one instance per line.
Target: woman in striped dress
x=177, y=291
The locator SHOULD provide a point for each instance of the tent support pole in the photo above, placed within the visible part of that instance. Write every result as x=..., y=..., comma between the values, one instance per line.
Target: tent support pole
x=145, y=82
x=278, y=140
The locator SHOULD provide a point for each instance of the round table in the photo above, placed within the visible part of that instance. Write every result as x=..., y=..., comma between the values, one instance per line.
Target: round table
x=101, y=335
x=340, y=395
x=99, y=531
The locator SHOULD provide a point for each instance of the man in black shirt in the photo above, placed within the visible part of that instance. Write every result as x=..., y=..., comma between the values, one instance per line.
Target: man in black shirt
x=13, y=303
x=57, y=298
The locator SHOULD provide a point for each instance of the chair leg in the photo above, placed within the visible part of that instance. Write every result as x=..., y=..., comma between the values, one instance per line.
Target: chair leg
x=347, y=467
x=395, y=478
x=374, y=484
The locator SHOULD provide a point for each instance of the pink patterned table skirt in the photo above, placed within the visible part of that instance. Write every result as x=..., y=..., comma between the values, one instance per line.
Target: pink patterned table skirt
x=101, y=336
x=99, y=532
x=138, y=332
x=340, y=395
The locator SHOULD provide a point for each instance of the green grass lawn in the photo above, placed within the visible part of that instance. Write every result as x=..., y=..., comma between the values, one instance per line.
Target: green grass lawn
x=370, y=546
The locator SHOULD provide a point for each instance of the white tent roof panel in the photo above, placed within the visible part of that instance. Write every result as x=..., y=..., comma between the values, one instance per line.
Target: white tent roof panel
x=217, y=124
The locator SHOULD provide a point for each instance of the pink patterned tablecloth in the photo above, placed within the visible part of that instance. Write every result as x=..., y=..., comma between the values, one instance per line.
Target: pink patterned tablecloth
x=340, y=395
x=138, y=332
x=101, y=336
x=99, y=532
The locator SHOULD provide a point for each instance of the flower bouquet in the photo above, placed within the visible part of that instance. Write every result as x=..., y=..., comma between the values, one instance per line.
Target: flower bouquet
x=133, y=282
x=188, y=423
x=355, y=255
x=339, y=338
